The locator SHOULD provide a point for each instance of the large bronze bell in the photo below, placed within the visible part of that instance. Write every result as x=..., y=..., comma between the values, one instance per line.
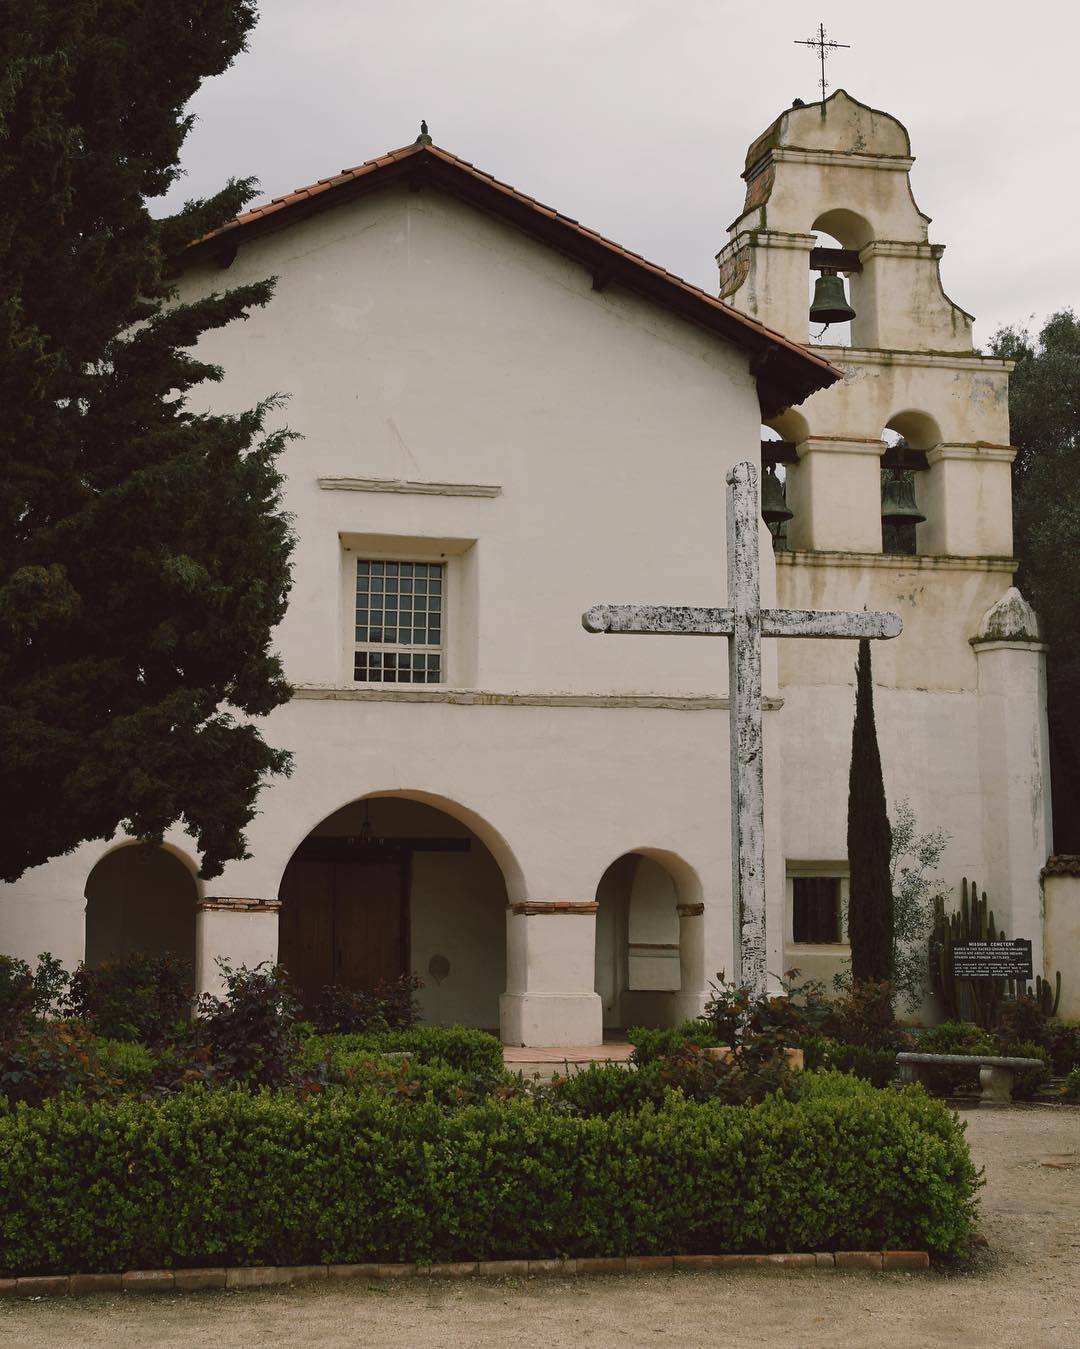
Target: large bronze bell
x=830, y=304
x=774, y=507
x=898, y=499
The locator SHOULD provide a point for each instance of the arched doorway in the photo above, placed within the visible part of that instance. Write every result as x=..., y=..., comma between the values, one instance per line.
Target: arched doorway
x=387, y=886
x=140, y=899
x=637, y=942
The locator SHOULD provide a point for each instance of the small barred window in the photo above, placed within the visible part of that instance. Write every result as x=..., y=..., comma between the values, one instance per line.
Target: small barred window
x=399, y=622
x=816, y=910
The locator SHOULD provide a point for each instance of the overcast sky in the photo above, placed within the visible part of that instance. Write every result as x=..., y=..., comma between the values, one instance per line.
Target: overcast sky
x=633, y=116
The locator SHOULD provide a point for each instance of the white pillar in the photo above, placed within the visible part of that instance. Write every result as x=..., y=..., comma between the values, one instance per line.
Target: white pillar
x=241, y=930
x=1014, y=763
x=550, y=997
x=835, y=492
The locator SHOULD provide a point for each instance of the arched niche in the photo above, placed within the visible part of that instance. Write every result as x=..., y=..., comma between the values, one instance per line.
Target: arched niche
x=641, y=960
x=848, y=228
x=919, y=430
x=388, y=885
x=140, y=898
x=907, y=437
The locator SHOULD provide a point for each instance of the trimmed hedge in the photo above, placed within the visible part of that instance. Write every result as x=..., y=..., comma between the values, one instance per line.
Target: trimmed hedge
x=470, y=1051
x=211, y=1178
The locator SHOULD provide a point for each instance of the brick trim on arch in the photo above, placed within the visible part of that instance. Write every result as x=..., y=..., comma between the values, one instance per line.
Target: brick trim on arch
x=237, y=904
x=537, y=906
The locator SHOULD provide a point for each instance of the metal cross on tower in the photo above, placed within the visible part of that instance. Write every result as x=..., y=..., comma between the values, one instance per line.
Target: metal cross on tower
x=744, y=624
x=824, y=45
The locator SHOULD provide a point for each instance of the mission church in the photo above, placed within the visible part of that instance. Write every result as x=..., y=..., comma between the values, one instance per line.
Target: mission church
x=505, y=419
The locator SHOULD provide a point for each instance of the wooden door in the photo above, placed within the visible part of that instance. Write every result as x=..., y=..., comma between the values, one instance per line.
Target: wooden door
x=306, y=927
x=370, y=922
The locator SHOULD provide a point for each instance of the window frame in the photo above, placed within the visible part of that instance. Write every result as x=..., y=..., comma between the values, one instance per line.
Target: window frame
x=817, y=871
x=399, y=648
x=353, y=558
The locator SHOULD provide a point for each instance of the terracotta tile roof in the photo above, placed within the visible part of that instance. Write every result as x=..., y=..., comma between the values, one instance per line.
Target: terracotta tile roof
x=786, y=372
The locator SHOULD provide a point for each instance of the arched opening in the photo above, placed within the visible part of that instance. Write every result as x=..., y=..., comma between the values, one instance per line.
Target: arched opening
x=641, y=957
x=840, y=234
x=778, y=459
x=907, y=438
x=140, y=899
x=387, y=886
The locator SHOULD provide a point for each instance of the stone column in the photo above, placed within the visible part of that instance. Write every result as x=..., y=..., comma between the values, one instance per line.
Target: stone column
x=239, y=929
x=550, y=997
x=1014, y=763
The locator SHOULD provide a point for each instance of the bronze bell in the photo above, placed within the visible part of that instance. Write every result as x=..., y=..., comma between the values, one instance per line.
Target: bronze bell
x=898, y=499
x=774, y=507
x=830, y=303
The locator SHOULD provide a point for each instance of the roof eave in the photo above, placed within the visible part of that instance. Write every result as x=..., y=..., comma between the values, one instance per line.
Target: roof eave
x=785, y=373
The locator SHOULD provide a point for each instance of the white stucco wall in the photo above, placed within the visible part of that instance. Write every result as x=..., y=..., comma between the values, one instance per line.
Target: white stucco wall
x=421, y=341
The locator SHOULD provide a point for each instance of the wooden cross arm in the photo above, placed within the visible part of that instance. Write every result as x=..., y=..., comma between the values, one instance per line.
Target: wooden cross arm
x=830, y=623
x=681, y=619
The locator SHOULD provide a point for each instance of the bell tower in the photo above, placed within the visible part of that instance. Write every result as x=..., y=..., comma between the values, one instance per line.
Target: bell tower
x=898, y=484
x=842, y=169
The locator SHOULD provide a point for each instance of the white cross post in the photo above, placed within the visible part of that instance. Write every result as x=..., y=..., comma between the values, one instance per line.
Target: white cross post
x=744, y=624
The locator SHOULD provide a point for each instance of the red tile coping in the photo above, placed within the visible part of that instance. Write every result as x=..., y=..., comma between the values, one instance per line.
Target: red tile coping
x=265, y=1276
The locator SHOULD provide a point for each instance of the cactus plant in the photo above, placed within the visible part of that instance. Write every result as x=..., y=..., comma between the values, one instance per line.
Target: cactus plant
x=976, y=1000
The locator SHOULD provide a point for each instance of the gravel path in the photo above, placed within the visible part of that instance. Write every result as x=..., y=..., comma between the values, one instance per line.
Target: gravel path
x=1025, y=1289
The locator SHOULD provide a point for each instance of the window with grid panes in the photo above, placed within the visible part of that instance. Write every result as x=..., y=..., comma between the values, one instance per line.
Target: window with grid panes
x=399, y=622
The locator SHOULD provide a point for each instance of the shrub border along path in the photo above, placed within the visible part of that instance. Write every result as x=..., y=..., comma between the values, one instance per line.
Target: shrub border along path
x=263, y=1276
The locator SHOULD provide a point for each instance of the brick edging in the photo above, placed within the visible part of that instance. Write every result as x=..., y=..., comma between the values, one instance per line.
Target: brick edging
x=263, y=1276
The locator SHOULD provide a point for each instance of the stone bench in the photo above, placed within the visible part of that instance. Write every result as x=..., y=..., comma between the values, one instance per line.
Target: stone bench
x=996, y=1074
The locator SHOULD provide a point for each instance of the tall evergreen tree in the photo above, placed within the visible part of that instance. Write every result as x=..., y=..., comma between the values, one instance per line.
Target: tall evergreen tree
x=1044, y=416
x=143, y=554
x=869, y=840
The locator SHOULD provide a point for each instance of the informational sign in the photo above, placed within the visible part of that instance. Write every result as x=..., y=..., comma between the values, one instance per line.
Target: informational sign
x=993, y=959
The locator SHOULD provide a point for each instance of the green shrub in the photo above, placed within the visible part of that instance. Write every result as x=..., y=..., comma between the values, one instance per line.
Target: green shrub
x=863, y=1015
x=16, y=996
x=954, y=1037
x=234, y=1177
x=390, y=1005
x=1063, y=1045
x=407, y=1080
x=470, y=1051
x=127, y=1066
x=606, y=1089
x=1021, y=1019
x=139, y=997
x=1027, y=1081
x=63, y=1056
x=874, y=1065
x=650, y=1044
x=48, y=1059
x=249, y=1032
x=1072, y=1085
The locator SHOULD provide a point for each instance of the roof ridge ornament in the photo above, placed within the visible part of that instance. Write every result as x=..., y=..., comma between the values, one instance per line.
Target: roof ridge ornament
x=423, y=138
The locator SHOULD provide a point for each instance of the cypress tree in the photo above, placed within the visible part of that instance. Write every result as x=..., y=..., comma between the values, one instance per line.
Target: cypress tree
x=143, y=553
x=869, y=841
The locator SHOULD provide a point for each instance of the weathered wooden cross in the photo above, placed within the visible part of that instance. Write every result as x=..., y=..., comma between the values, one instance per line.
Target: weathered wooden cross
x=744, y=624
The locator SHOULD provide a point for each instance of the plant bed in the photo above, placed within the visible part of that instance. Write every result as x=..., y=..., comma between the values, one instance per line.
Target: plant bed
x=266, y=1276
x=234, y=1178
